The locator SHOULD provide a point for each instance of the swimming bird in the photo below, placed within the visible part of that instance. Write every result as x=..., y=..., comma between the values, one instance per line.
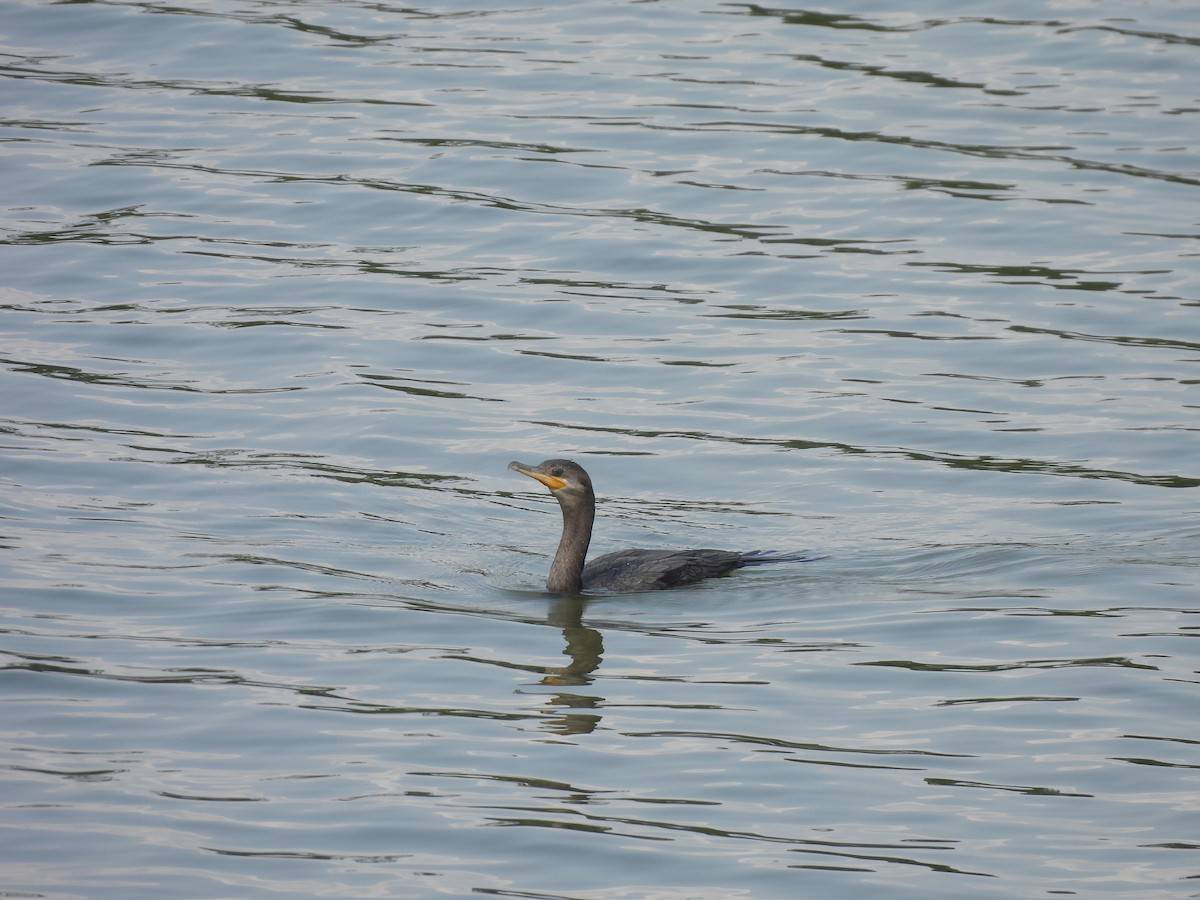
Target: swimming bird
x=624, y=570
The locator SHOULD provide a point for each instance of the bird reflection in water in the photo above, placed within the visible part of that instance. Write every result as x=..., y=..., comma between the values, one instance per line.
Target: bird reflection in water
x=584, y=650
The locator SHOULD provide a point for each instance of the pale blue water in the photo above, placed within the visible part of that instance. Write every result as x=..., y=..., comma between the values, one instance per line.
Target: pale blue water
x=286, y=286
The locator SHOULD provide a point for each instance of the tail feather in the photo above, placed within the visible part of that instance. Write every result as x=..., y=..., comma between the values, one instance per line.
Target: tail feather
x=764, y=557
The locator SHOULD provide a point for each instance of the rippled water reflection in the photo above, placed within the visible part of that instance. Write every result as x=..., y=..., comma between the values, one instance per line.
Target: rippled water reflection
x=287, y=285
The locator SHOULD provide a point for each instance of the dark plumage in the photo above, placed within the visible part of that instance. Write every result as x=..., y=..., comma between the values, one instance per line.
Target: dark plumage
x=624, y=570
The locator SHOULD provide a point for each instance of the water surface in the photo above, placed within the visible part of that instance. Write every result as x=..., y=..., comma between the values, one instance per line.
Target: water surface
x=288, y=284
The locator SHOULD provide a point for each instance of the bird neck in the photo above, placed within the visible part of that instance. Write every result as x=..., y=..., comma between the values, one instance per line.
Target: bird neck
x=566, y=572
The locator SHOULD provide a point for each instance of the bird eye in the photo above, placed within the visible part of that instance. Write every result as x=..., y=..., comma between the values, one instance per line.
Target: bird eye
x=557, y=473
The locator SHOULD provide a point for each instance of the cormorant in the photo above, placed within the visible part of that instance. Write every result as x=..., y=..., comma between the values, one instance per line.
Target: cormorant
x=624, y=570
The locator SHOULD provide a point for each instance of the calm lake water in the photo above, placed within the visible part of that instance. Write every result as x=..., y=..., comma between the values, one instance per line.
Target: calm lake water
x=287, y=283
